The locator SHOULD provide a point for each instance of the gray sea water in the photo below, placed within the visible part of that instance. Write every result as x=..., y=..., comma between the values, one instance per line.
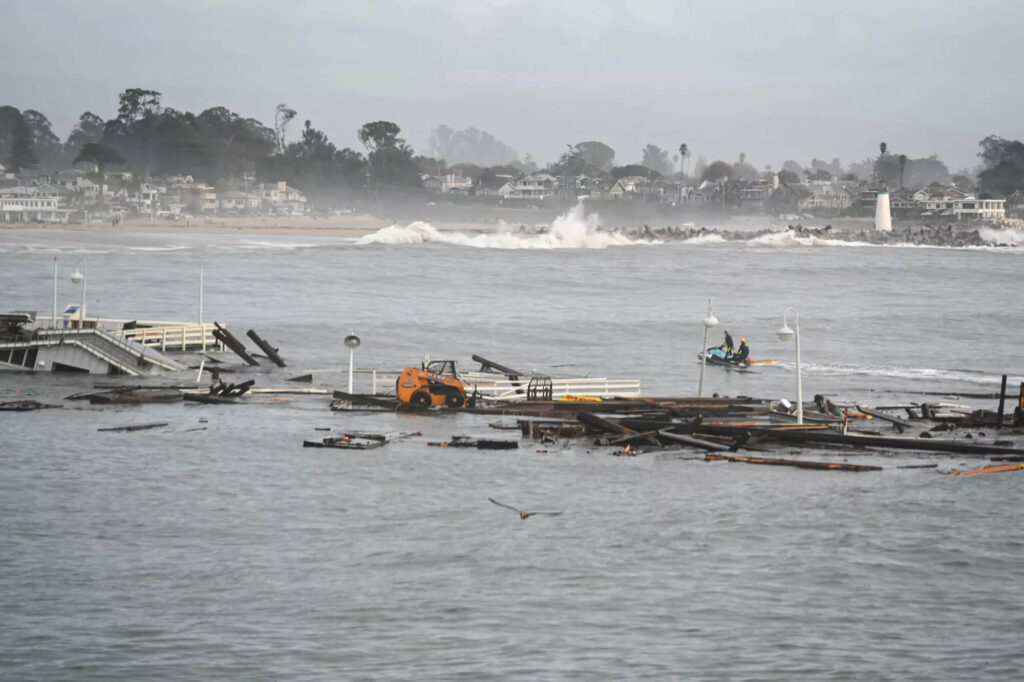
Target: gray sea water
x=221, y=549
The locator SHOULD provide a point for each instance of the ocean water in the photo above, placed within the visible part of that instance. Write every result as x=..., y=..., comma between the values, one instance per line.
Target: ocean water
x=218, y=548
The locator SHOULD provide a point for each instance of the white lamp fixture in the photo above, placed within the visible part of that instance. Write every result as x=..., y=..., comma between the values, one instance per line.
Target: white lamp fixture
x=79, y=277
x=709, y=322
x=352, y=341
x=785, y=334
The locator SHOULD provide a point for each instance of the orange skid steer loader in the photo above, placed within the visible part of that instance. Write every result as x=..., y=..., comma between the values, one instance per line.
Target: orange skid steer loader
x=437, y=384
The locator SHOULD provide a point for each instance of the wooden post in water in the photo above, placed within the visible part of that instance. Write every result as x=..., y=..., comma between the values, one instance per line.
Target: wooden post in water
x=1002, y=399
x=266, y=347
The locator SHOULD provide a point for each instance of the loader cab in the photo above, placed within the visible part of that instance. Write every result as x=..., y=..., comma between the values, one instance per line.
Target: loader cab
x=443, y=367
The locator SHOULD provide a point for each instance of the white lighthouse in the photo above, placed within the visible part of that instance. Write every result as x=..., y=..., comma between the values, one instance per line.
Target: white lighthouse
x=883, y=218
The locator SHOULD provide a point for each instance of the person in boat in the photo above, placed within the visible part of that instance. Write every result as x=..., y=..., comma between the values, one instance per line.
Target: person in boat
x=727, y=345
x=743, y=352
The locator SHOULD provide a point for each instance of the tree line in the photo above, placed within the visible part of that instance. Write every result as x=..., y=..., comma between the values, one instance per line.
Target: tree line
x=220, y=146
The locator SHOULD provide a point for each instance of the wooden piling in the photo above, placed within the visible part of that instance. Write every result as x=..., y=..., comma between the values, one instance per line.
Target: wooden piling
x=229, y=340
x=266, y=348
x=1002, y=399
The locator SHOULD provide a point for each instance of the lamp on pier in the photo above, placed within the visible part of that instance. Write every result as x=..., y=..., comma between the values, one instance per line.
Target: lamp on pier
x=78, y=277
x=352, y=341
x=709, y=322
x=785, y=334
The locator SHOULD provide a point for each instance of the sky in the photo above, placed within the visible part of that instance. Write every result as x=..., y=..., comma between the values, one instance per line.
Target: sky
x=775, y=80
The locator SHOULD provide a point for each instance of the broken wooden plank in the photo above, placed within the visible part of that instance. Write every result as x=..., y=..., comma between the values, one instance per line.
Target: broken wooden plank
x=478, y=443
x=24, y=406
x=800, y=464
x=602, y=424
x=134, y=427
x=689, y=440
x=898, y=423
x=991, y=470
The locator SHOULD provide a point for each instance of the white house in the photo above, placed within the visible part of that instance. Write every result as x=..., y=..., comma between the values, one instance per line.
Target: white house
x=32, y=204
x=281, y=198
x=238, y=201
x=535, y=186
x=965, y=208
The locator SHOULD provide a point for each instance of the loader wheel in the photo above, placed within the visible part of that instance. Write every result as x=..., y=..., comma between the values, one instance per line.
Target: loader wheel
x=454, y=400
x=421, y=398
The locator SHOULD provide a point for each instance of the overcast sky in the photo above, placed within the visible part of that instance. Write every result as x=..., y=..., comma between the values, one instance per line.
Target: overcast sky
x=776, y=80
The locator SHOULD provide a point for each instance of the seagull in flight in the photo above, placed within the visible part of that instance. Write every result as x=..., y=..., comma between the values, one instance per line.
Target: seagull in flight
x=522, y=514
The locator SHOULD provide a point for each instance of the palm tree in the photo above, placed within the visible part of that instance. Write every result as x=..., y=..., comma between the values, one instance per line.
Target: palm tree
x=882, y=148
x=903, y=164
x=684, y=152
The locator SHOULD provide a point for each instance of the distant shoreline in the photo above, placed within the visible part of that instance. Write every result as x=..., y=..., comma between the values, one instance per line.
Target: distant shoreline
x=352, y=226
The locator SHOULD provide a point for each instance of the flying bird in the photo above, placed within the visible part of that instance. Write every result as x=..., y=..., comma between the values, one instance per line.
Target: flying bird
x=522, y=514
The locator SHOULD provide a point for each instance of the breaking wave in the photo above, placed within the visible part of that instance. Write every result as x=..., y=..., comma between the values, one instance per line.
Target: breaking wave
x=1007, y=236
x=571, y=230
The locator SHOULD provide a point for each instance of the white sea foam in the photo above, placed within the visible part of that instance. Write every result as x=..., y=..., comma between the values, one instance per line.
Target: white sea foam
x=790, y=238
x=571, y=230
x=284, y=246
x=1002, y=235
x=179, y=247
x=922, y=373
x=711, y=238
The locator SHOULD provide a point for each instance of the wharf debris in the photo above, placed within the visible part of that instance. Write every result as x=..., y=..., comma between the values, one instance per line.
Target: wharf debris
x=130, y=396
x=221, y=393
x=478, y=443
x=357, y=440
x=799, y=463
x=990, y=470
x=724, y=426
x=25, y=406
x=228, y=339
x=267, y=348
x=135, y=427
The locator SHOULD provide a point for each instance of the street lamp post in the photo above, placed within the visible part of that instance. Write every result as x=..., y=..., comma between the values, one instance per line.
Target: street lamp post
x=53, y=320
x=352, y=341
x=79, y=277
x=785, y=334
x=709, y=322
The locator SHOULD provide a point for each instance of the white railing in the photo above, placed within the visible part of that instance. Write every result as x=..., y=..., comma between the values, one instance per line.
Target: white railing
x=503, y=388
x=175, y=338
x=499, y=387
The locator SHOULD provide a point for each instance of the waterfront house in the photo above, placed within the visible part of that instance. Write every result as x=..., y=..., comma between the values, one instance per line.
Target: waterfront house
x=34, y=204
x=534, y=186
x=280, y=198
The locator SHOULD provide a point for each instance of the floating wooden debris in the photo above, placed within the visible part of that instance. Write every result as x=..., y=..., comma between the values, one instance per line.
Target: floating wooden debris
x=358, y=440
x=135, y=427
x=25, y=406
x=991, y=470
x=133, y=397
x=801, y=464
x=478, y=443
